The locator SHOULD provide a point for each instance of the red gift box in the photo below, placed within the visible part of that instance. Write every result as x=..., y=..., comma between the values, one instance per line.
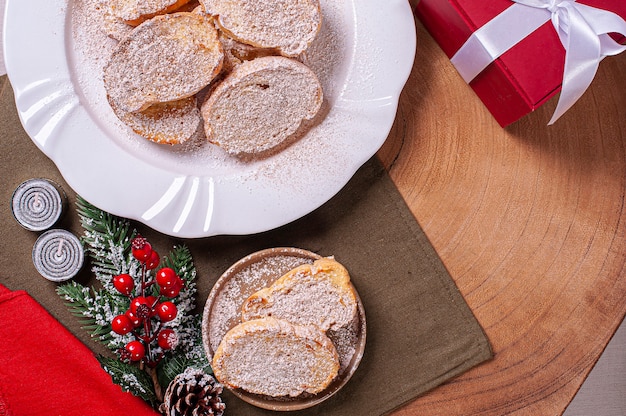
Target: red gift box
x=525, y=76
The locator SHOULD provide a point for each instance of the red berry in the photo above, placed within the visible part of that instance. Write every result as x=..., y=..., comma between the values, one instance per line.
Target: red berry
x=141, y=249
x=136, y=350
x=153, y=261
x=167, y=311
x=121, y=325
x=167, y=339
x=136, y=302
x=136, y=321
x=141, y=307
x=170, y=293
x=124, y=283
x=166, y=278
x=173, y=291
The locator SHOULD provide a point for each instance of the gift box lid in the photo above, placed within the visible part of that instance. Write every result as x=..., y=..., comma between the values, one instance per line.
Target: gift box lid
x=525, y=76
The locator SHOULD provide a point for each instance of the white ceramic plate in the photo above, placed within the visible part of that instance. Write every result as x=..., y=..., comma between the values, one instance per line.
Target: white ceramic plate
x=54, y=55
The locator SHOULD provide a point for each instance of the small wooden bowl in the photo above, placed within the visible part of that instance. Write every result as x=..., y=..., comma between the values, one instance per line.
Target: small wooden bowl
x=223, y=311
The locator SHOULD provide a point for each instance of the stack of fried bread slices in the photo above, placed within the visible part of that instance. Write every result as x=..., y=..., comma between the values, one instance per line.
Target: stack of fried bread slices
x=227, y=69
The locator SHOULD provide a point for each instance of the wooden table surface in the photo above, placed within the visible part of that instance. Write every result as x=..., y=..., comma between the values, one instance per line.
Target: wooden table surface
x=530, y=221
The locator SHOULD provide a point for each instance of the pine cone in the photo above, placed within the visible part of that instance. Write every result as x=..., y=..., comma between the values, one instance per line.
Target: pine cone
x=193, y=393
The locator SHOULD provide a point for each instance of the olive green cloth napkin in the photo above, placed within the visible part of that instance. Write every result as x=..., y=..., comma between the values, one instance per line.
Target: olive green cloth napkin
x=420, y=331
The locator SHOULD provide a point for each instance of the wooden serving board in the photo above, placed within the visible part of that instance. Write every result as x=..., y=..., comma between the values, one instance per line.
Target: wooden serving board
x=530, y=221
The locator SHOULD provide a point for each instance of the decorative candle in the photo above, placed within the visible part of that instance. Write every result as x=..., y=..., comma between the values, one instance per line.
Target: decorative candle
x=58, y=255
x=38, y=204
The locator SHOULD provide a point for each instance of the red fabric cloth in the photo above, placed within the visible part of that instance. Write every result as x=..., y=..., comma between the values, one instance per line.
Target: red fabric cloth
x=45, y=370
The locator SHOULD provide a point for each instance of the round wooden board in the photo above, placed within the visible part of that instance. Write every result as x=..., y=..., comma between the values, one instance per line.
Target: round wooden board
x=529, y=220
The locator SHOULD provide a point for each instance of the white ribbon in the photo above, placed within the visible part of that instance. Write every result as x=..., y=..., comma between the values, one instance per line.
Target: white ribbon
x=583, y=31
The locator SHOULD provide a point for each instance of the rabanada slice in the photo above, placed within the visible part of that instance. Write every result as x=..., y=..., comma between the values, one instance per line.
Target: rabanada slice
x=173, y=122
x=275, y=358
x=166, y=58
x=317, y=294
x=134, y=12
x=289, y=26
x=261, y=105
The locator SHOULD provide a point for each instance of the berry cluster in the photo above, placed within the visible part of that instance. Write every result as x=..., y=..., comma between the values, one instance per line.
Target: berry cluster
x=148, y=312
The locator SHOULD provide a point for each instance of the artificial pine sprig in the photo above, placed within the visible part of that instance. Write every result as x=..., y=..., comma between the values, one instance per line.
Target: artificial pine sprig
x=131, y=378
x=107, y=240
x=142, y=313
x=82, y=304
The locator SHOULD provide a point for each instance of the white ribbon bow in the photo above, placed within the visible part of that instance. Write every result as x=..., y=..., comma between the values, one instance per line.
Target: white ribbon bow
x=583, y=31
